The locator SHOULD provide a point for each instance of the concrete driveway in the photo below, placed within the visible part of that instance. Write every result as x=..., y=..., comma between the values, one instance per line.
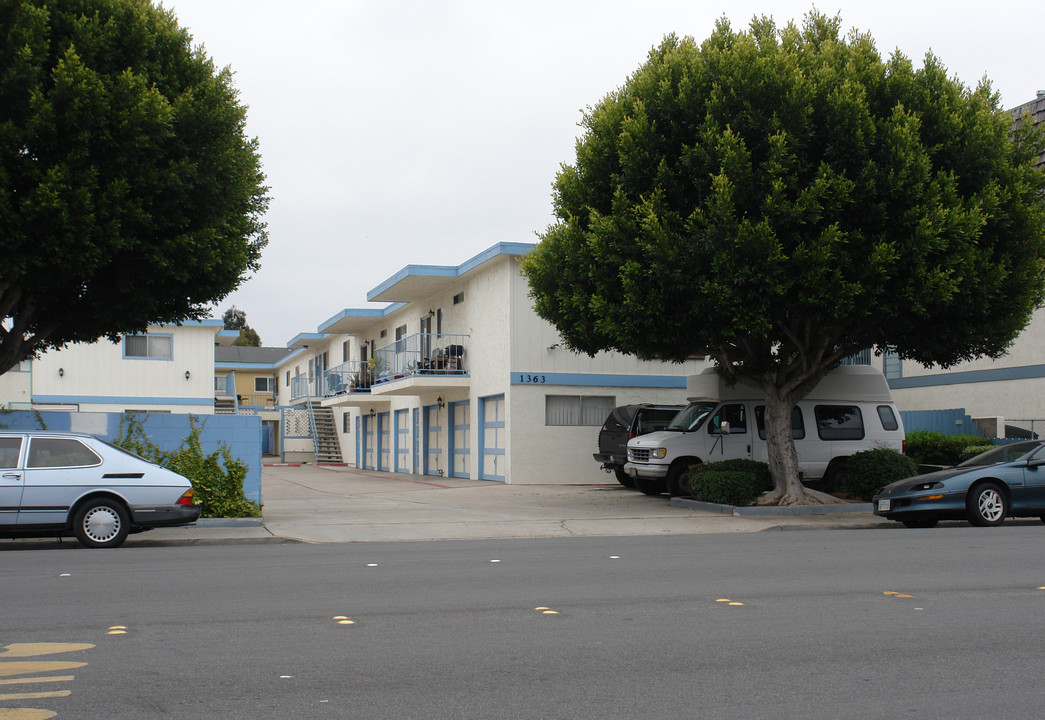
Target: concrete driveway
x=338, y=504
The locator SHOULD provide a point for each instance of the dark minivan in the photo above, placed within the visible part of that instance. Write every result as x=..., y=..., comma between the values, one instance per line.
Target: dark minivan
x=624, y=423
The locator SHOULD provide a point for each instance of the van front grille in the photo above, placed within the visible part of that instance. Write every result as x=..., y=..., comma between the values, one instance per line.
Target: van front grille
x=638, y=454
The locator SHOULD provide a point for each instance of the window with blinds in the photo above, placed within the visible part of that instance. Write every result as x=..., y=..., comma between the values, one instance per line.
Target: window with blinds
x=158, y=347
x=583, y=410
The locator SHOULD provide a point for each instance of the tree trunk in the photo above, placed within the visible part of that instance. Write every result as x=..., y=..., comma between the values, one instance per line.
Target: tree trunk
x=783, y=458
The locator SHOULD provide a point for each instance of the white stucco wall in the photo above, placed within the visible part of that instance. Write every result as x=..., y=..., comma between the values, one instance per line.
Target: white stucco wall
x=16, y=387
x=542, y=454
x=98, y=378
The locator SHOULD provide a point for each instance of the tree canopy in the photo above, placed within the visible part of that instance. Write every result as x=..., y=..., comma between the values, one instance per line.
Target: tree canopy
x=781, y=198
x=129, y=192
x=236, y=319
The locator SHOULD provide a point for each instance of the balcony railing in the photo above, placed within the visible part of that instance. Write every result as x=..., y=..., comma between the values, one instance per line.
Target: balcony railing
x=418, y=354
x=302, y=386
x=422, y=354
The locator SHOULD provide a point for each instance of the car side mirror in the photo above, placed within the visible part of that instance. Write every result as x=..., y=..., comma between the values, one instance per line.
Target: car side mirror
x=724, y=428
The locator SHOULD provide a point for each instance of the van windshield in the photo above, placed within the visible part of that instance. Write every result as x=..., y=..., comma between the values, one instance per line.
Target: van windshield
x=692, y=417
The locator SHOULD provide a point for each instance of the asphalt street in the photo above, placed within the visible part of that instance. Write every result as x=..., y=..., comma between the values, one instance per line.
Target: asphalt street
x=818, y=624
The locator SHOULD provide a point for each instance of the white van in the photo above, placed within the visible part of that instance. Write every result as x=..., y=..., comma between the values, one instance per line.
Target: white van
x=849, y=411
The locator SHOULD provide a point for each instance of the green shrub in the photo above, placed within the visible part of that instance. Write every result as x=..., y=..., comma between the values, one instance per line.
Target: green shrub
x=974, y=450
x=934, y=448
x=727, y=487
x=217, y=479
x=869, y=471
x=759, y=469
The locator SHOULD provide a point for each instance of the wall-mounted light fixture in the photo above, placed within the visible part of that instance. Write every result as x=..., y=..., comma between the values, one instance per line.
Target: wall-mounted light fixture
x=553, y=347
x=440, y=402
x=431, y=312
x=187, y=374
x=61, y=372
x=373, y=412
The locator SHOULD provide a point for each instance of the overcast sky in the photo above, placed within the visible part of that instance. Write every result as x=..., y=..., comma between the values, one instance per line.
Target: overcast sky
x=415, y=132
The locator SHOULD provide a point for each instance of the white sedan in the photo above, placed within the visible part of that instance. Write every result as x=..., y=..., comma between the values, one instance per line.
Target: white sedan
x=54, y=484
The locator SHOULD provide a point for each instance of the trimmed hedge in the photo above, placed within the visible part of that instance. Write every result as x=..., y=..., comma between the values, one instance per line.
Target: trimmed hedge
x=730, y=482
x=759, y=469
x=869, y=471
x=974, y=450
x=726, y=487
x=926, y=447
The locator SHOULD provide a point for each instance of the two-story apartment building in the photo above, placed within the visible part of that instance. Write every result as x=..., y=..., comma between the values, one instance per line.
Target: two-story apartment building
x=453, y=374
x=169, y=368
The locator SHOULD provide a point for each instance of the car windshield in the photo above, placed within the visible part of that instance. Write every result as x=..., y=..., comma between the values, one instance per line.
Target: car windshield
x=692, y=417
x=1002, y=453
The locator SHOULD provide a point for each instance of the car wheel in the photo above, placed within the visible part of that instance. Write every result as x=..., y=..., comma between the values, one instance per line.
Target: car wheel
x=648, y=486
x=986, y=505
x=927, y=522
x=624, y=478
x=102, y=523
x=678, y=481
x=834, y=475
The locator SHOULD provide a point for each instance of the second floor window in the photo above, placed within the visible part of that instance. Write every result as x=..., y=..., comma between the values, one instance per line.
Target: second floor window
x=148, y=346
x=263, y=385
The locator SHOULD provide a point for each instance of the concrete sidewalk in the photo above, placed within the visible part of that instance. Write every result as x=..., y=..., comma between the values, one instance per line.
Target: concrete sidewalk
x=339, y=504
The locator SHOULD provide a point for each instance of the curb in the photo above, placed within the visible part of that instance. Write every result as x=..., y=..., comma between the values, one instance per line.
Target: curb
x=229, y=522
x=772, y=510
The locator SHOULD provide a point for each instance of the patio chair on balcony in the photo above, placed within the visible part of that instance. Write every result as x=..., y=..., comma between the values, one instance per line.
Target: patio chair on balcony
x=455, y=358
x=433, y=363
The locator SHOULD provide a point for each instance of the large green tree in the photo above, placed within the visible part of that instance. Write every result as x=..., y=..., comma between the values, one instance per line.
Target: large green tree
x=129, y=193
x=784, y=197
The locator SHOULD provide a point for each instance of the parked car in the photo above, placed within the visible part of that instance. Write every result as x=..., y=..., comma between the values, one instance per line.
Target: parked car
x=623, y=424
x=56, y=484
x=1006, y=481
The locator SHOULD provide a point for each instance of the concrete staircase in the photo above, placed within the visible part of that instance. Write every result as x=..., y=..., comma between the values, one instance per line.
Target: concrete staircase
x=328, y=449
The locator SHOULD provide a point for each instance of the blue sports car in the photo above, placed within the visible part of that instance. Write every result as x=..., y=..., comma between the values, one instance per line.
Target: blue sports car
x=1006, y=481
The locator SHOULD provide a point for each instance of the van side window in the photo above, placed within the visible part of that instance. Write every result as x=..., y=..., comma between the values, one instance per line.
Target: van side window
x=839, y=422
x=888, y=418
x=798, y=426
x=735, y=415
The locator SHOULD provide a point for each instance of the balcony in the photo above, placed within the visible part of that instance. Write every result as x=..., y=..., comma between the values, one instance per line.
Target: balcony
x=406, y=367
x=227, y=400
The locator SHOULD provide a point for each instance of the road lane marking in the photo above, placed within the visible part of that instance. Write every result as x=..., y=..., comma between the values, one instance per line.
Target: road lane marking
x=36, y=695
x=38, y=649
x=36, y=666
x=19, y=671
x=26, y=714
x=23, y=681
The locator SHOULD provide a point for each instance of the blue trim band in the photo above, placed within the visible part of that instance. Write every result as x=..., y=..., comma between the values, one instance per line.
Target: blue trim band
x=595, y=379
x=373, y=313
x=117, y=400
x=451, y=271
x=1023, y=372
x=225, y=365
